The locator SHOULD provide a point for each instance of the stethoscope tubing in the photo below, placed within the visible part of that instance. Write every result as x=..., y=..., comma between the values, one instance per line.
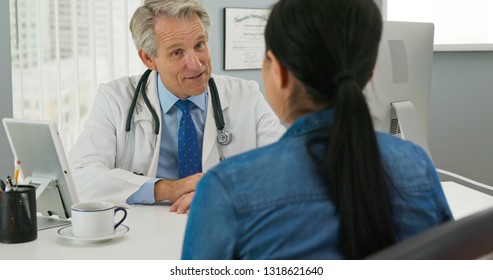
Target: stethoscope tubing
x=141, y=85
x=216, y=105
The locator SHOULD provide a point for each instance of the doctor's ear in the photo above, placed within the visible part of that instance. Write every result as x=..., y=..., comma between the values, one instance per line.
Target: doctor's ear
x=147, y=60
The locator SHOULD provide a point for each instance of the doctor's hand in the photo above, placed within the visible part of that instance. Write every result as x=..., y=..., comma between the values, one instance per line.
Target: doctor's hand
x=182, y=205
x=174, y=190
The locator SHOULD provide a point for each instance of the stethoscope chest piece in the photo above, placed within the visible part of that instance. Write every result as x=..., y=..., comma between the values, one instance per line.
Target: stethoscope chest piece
x=224, y=137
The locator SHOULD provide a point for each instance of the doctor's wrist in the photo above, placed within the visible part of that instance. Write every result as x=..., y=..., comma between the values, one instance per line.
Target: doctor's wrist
x=162, y=190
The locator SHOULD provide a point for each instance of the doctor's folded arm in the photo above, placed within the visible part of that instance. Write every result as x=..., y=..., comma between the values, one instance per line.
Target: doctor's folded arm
x=149, y=138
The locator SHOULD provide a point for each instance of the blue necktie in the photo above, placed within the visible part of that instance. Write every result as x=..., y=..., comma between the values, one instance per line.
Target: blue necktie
x=189, y=150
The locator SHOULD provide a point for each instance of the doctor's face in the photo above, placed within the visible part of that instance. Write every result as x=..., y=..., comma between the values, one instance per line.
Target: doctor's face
x=183, y=59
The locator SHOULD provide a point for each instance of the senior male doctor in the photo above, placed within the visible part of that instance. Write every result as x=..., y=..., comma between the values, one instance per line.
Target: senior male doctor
x=145, y=164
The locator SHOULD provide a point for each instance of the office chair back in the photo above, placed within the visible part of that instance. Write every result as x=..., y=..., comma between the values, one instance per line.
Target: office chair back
x=467, y=238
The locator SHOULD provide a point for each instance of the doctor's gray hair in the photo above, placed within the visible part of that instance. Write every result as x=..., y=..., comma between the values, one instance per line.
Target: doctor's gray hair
x=142, y=22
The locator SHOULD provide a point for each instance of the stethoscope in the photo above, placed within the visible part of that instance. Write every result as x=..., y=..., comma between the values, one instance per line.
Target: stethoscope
x=224, y=137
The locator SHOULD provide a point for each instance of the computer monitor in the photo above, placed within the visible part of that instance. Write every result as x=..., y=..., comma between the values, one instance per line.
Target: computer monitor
x=44, y=165
x=399, y=93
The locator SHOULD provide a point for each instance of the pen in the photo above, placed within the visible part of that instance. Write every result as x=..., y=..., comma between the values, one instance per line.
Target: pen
x=16, y=173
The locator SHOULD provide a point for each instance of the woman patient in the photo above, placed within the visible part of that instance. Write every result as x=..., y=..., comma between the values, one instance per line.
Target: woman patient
x=331, y=188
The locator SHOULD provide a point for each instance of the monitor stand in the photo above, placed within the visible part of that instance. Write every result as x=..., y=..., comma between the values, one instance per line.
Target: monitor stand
x=50, y=208
x=50, y=222
x=408, y=122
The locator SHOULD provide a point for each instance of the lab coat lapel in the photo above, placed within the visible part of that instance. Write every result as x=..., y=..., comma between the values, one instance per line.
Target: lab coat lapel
x=144, y=114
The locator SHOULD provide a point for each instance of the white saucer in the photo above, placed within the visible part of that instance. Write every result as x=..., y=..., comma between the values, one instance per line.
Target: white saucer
x=66, y=232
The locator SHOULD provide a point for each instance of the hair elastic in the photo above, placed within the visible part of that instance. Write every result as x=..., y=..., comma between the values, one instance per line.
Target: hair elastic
x=343, y=76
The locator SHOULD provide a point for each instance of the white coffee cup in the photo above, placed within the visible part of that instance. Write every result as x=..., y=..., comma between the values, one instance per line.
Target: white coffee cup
x=95, y=219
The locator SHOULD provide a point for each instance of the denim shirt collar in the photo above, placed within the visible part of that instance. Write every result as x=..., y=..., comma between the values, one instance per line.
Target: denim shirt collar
x=311, y=122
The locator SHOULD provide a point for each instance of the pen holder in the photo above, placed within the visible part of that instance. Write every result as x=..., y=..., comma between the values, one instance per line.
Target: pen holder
x=18, y=220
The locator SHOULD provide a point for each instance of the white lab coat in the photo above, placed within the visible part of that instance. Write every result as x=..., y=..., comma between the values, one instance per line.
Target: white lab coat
x=105, y=157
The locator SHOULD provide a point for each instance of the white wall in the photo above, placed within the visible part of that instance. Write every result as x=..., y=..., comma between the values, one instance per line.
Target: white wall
x=6, y=158
x=461, y=118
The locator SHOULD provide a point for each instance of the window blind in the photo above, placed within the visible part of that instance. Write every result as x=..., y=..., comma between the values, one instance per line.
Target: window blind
x=61, y=51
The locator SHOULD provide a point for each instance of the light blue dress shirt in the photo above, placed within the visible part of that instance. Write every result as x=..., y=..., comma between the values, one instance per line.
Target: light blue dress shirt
x=168, y=154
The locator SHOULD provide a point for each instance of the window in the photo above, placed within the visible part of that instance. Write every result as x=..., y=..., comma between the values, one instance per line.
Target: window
x=61, y=51
x=460, y=25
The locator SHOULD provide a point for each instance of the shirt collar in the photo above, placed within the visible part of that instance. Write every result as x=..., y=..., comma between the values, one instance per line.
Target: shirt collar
x=314, y=121
x=168, y=100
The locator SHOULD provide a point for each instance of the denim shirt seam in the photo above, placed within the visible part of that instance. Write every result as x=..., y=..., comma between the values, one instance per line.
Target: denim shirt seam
x=245, y=208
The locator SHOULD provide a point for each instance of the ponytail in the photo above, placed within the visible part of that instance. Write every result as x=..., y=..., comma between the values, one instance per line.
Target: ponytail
x=356, y=176
x=341, y=35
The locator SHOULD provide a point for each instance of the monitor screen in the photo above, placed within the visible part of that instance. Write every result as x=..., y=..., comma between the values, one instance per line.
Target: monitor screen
x=403, y=73
x=44, y=165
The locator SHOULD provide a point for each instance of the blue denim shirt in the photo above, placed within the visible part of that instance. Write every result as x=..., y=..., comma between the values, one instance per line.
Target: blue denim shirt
x=271, y=203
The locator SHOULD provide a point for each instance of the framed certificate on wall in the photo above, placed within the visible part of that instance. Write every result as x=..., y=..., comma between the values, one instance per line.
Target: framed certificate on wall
x=244, y=45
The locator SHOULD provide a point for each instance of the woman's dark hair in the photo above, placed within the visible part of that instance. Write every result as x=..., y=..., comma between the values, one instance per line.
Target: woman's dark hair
x=331, y=46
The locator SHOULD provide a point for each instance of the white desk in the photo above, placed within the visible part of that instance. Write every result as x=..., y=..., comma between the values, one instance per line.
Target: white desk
x=464, y=201
x=155, y=233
